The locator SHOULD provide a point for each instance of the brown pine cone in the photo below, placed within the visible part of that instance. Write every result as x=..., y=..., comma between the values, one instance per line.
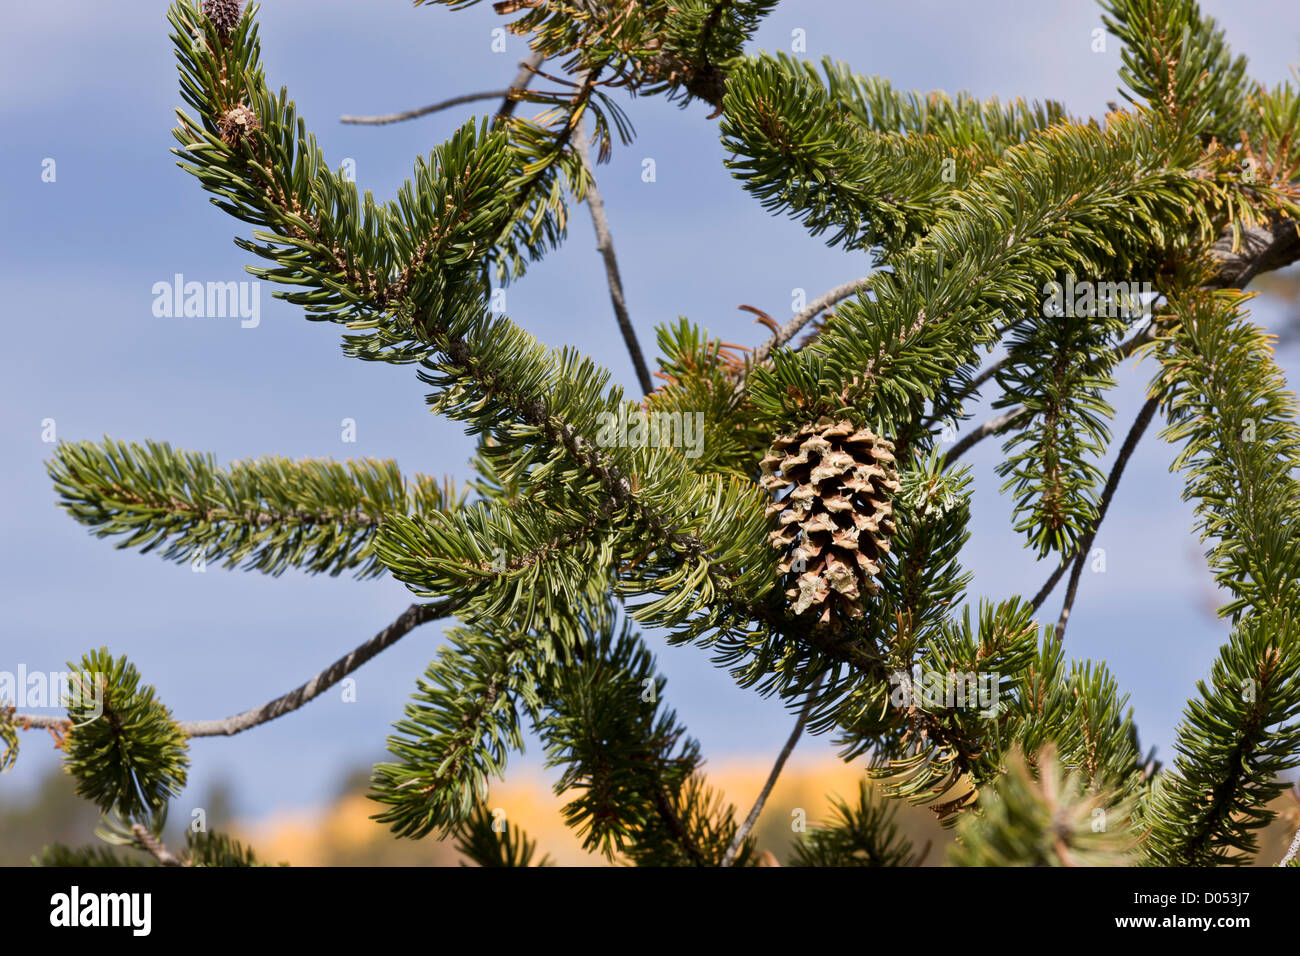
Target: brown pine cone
x=835, y=519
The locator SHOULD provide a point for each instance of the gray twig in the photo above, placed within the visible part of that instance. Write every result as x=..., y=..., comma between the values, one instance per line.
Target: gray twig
x=995, y=424
x=527, y=70
x=154, y=845
x=386, y=118
x=990, y=427
x=410, y=619
x=1048, y=586
x=791, y=328
x=510, y=98
x=1125, y=452
x=605, y=244
x=1254, y=251
x=738, y=840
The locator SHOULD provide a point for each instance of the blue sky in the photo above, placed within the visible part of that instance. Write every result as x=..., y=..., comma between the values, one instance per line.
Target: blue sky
x=93, y=86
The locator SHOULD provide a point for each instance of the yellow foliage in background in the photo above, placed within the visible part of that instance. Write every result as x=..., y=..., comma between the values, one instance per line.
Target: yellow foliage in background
x=345, y=835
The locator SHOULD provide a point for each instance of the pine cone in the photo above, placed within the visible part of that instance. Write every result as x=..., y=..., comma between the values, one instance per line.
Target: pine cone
x=237, y=125
x=224, y=14
x=835, y=519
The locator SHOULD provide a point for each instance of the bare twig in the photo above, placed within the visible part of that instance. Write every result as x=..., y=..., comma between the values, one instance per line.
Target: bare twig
x=995, y=424
x=791, y=328
x=1126, y=451
x=987, y=374
x=1257, y=250
x=386, y=118
x=154, y=845
x=990, y=427
x=605, y=244
x=58, y=725
x=510, y=98
x=738, y=840
x=410, y=619
x=527, y=69
x=1048, y=586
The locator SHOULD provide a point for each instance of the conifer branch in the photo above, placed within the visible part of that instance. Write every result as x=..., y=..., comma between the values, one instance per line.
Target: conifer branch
x=970, y=205
x=1043, y=813
x=977, y=264
x=861, y=834
x=541, y=153
x=429, y=304
x=1178, y=61
x=633, y=775
x=597, y=465
x=676, y=828
x=480, y=839
x=461, y=722
x=124, y=748
x=929, y=750
x=269, y=513
x=1227, y=401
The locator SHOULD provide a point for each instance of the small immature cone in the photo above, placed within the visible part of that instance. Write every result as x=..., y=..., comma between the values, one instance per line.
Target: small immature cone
x=238, y=124
x=835, y=518
x=224, y=14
